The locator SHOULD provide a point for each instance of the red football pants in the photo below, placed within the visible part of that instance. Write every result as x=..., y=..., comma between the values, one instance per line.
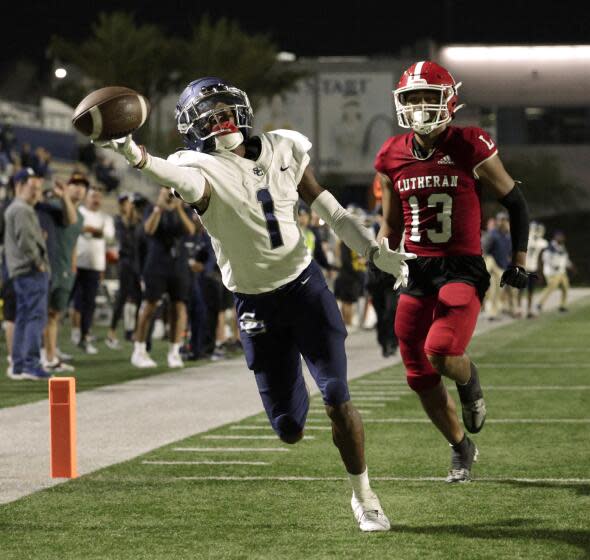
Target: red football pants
x=437, y=325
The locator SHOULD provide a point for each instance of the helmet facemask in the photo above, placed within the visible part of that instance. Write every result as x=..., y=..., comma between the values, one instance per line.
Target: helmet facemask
x=222, y=113
x=423, y=117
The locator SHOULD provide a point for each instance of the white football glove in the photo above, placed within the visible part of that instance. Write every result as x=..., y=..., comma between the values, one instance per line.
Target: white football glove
x=126, y=147
x=393, y=262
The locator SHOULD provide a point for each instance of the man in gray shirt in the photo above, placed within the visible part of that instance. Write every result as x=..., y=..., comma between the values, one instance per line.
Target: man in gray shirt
x=28, y=267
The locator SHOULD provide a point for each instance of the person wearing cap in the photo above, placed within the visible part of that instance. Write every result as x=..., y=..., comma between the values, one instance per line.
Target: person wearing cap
x=68, y=222
x=129, y=293
x=28, y=266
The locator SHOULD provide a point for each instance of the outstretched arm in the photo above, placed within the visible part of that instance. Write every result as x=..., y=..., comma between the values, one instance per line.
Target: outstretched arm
x=188, y=182
x=348, y=228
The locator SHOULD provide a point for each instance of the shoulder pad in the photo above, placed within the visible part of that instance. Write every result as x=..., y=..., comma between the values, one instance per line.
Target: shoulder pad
x=299, y=139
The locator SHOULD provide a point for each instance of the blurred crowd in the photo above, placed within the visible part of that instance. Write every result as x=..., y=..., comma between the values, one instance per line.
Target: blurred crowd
x=150, y=269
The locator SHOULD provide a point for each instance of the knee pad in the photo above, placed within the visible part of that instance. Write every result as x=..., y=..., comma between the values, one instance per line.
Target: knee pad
x=287, y=428
x=335, y=392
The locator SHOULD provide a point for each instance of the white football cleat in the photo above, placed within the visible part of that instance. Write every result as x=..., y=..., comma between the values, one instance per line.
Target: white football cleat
x=142, y=360
x=369, y=514
x=174, y=360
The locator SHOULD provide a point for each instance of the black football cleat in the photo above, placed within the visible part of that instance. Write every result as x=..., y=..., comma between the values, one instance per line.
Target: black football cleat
x=462, y=461
x=472, y=403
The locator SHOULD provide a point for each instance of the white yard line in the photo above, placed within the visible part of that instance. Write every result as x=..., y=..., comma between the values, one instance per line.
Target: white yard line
x=254, y=427
x=247, y=437
x=563, y=481
x=233, y=449
x=251, y=463
x=488, y=421
x=535, y=365
x=376, y=398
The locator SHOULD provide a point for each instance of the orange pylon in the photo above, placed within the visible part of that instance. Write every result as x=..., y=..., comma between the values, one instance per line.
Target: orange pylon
x=62, y=427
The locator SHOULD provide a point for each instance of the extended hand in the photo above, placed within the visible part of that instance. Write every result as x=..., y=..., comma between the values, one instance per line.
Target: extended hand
x=393, y=262
x=516, y=276
x=125, y=147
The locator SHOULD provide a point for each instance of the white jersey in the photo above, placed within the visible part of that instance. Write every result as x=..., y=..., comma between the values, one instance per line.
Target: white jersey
x=251, y=216
x=555, y=259
x=536, y=246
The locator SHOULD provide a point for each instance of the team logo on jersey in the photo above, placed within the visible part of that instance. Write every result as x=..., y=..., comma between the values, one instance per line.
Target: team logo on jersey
x=251, y=325
x=445, y=160
x=258, y=171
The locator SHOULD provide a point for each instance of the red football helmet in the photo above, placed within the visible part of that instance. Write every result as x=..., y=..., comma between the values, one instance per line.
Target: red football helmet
x=423, y=117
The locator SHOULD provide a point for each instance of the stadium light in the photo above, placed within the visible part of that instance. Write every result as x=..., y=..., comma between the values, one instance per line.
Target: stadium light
x=535, y=53
x=60, y=73
x=285, y=56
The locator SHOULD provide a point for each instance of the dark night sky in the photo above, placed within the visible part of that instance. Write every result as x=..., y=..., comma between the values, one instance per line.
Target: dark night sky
x=309, y=29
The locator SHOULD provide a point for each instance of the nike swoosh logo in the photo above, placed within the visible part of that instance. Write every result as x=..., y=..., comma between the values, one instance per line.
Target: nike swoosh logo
x=284, y=168
x=303, y=282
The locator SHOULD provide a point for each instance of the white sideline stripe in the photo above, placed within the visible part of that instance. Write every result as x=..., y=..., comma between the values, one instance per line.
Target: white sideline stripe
x=563, y=481
x=252, y=463
x=247, y=437
x=490, y=421
x=249, y=427
x=233, y=449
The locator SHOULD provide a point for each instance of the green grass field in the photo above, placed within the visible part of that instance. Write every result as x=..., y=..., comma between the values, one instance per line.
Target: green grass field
x=531, y=498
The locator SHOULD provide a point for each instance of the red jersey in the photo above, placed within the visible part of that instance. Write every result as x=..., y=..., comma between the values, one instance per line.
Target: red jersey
x=440, y=195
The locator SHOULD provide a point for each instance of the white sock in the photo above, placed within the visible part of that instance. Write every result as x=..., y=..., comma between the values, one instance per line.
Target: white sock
x=360, y=485
x=175, y=348
x=139, y=347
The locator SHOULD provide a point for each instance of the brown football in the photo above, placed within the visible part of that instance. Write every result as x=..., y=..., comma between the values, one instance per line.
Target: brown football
x=110, y=112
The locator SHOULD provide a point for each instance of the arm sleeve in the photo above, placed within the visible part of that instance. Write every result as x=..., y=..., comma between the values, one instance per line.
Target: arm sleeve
x=188, y=182
x=518, y=213
x=346, y=226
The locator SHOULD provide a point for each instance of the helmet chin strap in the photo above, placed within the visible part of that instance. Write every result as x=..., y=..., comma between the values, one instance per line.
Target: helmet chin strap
x=228, y=142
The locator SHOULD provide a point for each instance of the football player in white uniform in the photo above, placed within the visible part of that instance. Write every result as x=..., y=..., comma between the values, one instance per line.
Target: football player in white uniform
x=245, y=189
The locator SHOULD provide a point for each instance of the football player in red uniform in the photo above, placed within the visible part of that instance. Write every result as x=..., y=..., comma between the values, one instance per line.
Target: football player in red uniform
x=431, y=179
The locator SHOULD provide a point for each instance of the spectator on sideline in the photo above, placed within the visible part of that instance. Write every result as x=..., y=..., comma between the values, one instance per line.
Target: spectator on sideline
x=497, y=249
x=165, y=271
x=537, y=244
x=201, y=259
x=556, y=262
x=28, y=266
x=68, y=224
x=129, y=294
x=98, y=229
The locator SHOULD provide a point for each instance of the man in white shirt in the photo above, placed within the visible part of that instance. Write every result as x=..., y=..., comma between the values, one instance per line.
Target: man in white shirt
x=91, y=263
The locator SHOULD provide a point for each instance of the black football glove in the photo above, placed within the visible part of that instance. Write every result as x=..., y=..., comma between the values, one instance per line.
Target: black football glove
x=516, y=276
